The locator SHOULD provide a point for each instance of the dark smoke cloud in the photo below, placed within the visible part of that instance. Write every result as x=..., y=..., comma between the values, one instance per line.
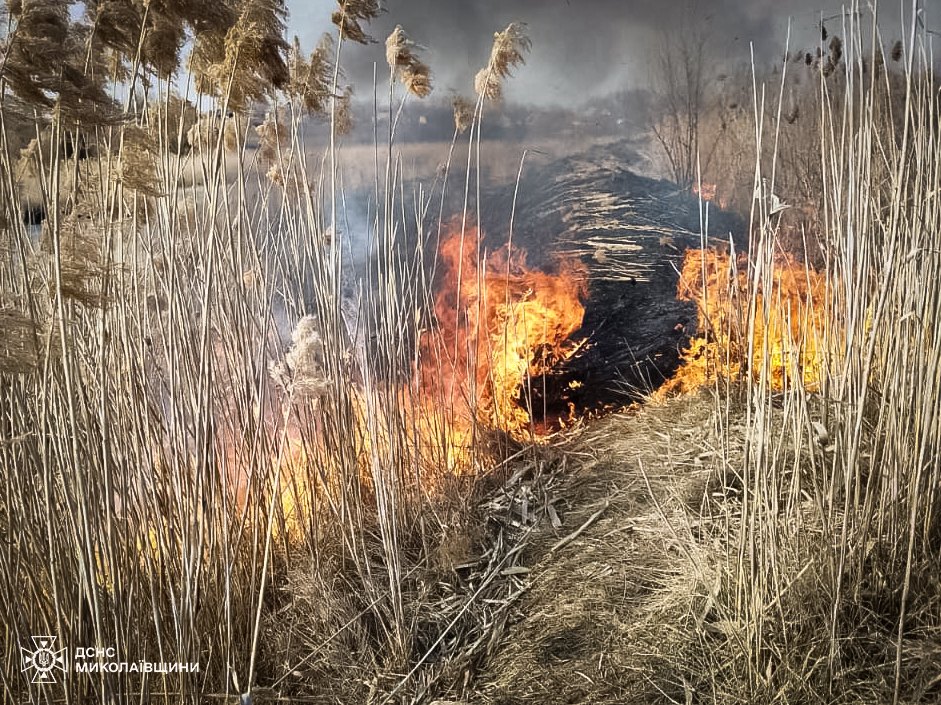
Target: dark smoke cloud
x=581, y=48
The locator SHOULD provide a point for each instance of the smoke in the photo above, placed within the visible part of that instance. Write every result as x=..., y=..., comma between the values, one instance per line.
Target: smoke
x=581, y=48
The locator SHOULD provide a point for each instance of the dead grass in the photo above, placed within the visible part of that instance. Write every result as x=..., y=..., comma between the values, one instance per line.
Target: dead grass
x=461, y=585
x=641, y=606
x=698, y=551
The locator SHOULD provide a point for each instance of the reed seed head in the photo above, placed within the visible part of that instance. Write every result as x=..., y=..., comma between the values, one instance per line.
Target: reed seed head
x=350, y=16
x=246, y=62
x=463, y=113
x=507, y=52
x=18, y=342
x=136, y=168
x=311, y=80
x=80, y=259
x=836, y=50
x=403, y=60
x=897, y=50
x=343, y=112
x=302, y=374
x=273, y=137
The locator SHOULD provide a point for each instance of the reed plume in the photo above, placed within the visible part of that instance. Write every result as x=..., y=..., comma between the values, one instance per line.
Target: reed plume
x=836, y=50
x=302, y=375
x=80, y=259
x=463, y=113
x=163, y=39
x=202, y=15
x=310, y=83
x=247, y=62
x=175, y=119
x=404, y=62
x=350, y=16
x=116, y=24
x=18, y=342
x=204, y=133
x=136, y=168
x=45, y=58
x=273, y=136
x=343, y=115
x=509, y=47
x=27, y=165
x=231, y=131
x=897, y=50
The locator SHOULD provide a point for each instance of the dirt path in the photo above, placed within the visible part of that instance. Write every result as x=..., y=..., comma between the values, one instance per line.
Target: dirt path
x=610, y=582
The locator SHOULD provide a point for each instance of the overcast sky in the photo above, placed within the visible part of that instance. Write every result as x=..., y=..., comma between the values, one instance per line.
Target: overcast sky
x=581, y=48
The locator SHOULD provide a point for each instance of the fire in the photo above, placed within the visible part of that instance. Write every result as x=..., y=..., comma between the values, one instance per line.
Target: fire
x=500, y=324
x=496, y=325
x=788, y=321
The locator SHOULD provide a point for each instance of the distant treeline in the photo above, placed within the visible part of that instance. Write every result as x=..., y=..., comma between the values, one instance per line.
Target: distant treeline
x=616, y=115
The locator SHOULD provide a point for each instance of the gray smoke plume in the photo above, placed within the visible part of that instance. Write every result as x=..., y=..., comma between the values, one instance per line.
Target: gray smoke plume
x=582, y=48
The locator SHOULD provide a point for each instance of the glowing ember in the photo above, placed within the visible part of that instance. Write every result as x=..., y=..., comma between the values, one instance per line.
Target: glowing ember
x=500, y=324
x=788, y=320
x=710, y=192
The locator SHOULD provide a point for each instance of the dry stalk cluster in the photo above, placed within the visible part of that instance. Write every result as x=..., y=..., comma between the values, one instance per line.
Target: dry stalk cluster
x=159, y=492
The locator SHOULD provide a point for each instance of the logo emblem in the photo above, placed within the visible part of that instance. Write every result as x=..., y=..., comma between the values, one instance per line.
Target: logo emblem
x=43, y=659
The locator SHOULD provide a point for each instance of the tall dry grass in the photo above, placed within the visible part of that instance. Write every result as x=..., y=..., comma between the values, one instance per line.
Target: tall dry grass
x=203, y=403
x=830, y=590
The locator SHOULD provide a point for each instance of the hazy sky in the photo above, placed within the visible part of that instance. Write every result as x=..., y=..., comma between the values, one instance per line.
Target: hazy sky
x=580, y=47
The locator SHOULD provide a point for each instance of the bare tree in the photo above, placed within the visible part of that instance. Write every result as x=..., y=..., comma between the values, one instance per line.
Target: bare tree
x=681, y=81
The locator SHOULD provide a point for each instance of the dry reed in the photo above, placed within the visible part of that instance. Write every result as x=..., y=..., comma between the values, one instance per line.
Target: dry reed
x=507, y=52
x=403, y=60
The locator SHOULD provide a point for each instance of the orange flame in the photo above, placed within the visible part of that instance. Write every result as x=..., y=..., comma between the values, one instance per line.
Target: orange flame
x=499, y=325
x=788, y=321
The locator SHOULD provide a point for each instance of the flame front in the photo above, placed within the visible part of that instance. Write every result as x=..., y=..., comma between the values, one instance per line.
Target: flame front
x=783, y=338
x=500, y=324
x=496, y=324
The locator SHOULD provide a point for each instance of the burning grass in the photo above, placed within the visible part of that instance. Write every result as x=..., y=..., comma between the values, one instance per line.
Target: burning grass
x=223, y=443
x=783, y=344
x=500, y=325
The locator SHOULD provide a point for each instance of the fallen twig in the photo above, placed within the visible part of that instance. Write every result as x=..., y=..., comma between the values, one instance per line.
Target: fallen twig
x=575, y=534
